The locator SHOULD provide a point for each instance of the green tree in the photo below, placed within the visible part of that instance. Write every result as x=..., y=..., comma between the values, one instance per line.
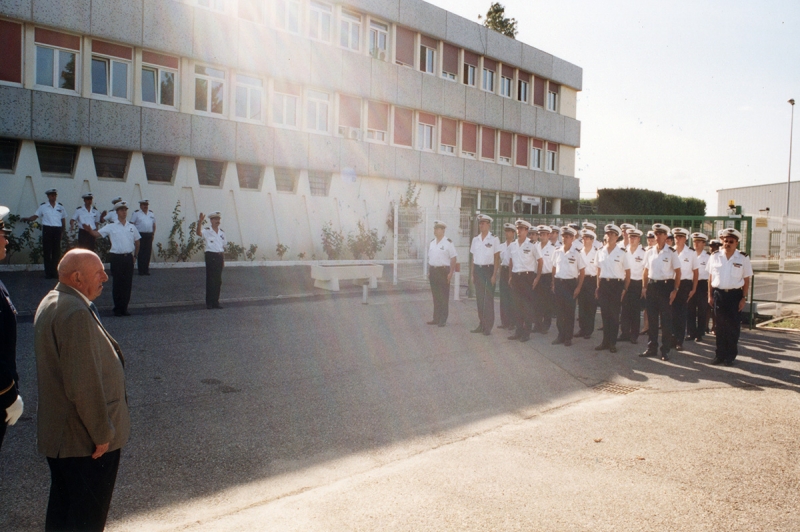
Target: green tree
x=496, y=20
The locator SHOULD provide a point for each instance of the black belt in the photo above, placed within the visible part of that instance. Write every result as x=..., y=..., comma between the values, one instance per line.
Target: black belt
x=216, y=252
x=610, y=280
x=483, y=265
x=566, y=279
x=522, y=273
x=438, y=267
x=686, y=281
x=121, y=254
x=659, y=281
x=729, y=289
x=506, y=267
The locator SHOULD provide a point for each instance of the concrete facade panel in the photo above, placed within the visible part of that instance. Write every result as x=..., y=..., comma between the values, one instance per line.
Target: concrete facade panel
x=567, y=73
x=166, y=132
x=466, y=34
x=354, y=155
x=568, y=102
x=323, y=59
x=512, y=114
x=60, y=118
x=430, y=168
x=454, y=100
x=509, y=179
x=168, y=27
x=492, y=176
x=527, y=181
x=72, y=15
x=355, y=74
x=452, y=171
x=19, y=9
x=115, y=125
x=213, y=138
x=473, y=173
x=254, y=143
x=433, y=94
x=493, y=113
x=383, y=83
x=423, y=17
x=409, y=88
x=504, y=49
x=476, y=106
x=406, y=165
x=529, y=116
x=547, y=185
x=566, y=160
x=387, y=9
x=291, y=59
x=16, y=105
x=571, y=188
x=537, y=62
x=572, y=132
x=290, y=148
x=253, y=40
x=118, y=20
x=323, y=153
x=547, y=125
x=212, y=38
x=382, y=159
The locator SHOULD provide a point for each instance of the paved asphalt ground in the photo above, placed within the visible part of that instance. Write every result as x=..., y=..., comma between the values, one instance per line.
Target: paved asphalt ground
x=320, y=413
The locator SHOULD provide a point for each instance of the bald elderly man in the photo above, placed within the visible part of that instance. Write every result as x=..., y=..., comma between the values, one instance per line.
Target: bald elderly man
x=83, y=419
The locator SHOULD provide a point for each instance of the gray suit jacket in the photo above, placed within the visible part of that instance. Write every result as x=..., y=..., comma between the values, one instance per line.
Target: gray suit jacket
x=82, y=399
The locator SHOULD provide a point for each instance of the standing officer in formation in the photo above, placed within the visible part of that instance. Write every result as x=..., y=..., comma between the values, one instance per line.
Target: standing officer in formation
x=86, y=214
x=698, y=305
x=145, y=221
x=507, y=319
x=632, y=302
x=543, y=302
x=54, y=226
x=568, y=278
x=526, y=272
x=587, y=300
x=614, y=275
x=441, y=267
x=593, y=228
x=729, y=279
x=687, y=288
x=485, y=251
x=111, y=217
x=11, y=404
x=122, y=255
x=215, y=256
x=660, y=282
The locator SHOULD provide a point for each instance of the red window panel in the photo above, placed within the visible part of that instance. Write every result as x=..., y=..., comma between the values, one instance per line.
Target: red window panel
x=449, y=129
x=287, y=88
x=524, y=76
x=403, y=122
x=506, y=140
x=554, y=87
x=538, y=144
x=405, y=46
x=469, y=137
x=378, y=116
x=160, y=59
x=471, y=59
x=538, y=91
x=427, y=118
x=450, y=58
x=522, y=150
x=349, y=111
x=11, y=57
x=490, y=64
x=508, y=71
x=430, y=43
x=487, y=142
x=56, y=38
x=552, y=146
x=114, y=50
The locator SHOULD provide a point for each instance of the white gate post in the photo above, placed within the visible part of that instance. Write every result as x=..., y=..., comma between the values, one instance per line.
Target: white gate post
x=782, y=261
x=424, y=244
x=396, y=236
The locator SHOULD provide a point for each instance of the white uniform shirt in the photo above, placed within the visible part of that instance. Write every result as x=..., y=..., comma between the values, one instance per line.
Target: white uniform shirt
x=702, y=262
x=123, y=237
x=577, y=244
x=637, y=263
x=729, y=273
x=87, y=217
x=689, y=263
x=111, y=217
x=524, y=257
x=612, y=264
x=590, y=259
x=547, y=253
x=661, y=266
x=568, y=264
x=50, y=215
x=145, y=223
x=504, y=254
x=598, y=244
x=440, y=253
x=215, y=241
x=483, y=250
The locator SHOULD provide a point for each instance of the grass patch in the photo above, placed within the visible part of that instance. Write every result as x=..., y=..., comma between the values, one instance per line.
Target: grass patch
x=789, y=322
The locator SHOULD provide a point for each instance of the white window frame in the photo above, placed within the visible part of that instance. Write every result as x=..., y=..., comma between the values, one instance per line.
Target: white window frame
x=472, y=73
x=552, y=100
x=240, y=82
x=56, y=69
x=376, y=29
x=536, y=158
x=289, y=6
x=523, y=91
x=425, y=136
x=158, y=71
x=212, y=5
x=282, y=99
x=430, y=59
x=110, y=62
x=320, y=10
x=210, y=80
x=552, y=162
x=506, y=86
x=321, y=107
x=351, y=19
x=487, y=79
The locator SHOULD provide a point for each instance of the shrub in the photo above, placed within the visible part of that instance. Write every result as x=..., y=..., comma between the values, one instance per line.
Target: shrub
x=365, y=243
x=332, y=241
x=180, y=247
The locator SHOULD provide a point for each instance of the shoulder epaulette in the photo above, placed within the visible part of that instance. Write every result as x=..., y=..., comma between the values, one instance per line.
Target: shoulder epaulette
x=42, y=203
x=137, y=210
x=623, y=248
x=449, y=240
x=59, y=203
x=713, y=252
x=743, y=253
x=433, y=239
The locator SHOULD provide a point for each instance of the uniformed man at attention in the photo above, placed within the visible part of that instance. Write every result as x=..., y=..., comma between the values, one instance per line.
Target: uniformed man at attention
x=613, y=277
x=89, y=215
x=598, y=243
x=485, y=251
x=587, y=300
x=145, y=221
x=660, y=282
x=568, y=277
x=54, y=227
x=111, y=217
x=542, y=298
x=728, y=281
x=441, y=267
x=215, y=240
x=632, y=302
x=687, y=288
x=507, y=319
x=697, y=315
x=526, y=271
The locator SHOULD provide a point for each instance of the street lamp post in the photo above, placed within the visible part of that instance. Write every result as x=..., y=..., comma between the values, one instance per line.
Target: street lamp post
x=785, y=222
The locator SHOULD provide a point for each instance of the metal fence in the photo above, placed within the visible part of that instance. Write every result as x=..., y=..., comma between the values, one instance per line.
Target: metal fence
x=792, y=245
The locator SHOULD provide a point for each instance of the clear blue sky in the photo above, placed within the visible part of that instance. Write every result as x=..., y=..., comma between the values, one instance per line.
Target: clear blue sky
x=686, y=97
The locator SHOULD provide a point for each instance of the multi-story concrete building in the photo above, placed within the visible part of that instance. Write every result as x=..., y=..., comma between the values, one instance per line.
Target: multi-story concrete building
x=283, y=114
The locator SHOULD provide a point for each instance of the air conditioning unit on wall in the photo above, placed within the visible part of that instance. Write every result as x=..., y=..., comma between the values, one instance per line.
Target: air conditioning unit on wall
x=352, y=133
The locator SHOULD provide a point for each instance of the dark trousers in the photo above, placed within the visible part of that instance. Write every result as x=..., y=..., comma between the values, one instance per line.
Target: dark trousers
x=565, y=307
x=522, y=292
x=680, y=307
x=440, y=289
x=122, y=271
x=484, y=294
x=697, y=314
x=587, y=306
x=214, y=264
x=543, y=303
x=85, y=240
x=145, y=250
x=80, y=491
x=507, y=318
x=726, y=320
x=51, y=250
x=631, y=311
x=658, y=308
x=609, y=299
x=3, y=426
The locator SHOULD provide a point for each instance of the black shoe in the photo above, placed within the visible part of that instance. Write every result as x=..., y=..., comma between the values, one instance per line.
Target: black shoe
x=648, y=353
x=432, y=322
x=634, y=341
x=477, y=330
x=613, y=349
x=218, y=306
x=587, y=336
x=117, y=313
x=146, y=273
x=515, y=336
x=601, y=347
x=716, y=362
x=644, y=331
x=567, y=343
x=502, y=327
x=557, y=341
x=623, y=339
x=524, y=338
x=126, y=313
x=728, y=363
x=689, y=339
x=487, y=333
x=442, y=324
x=209, y=306
x=699, y=340
x=664, y=356
x=679, y=347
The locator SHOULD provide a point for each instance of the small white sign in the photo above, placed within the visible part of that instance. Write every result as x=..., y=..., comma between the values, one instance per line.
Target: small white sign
x=531, y=200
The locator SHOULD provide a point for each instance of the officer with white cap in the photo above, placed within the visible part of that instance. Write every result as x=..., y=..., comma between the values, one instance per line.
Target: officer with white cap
x=11, y=404
x=660, y=282
x=543, y=301
x=54, y=227
x=587, y=299
x=485, y=251
x=526, y=269
x=598, y=243
x=441, y=267
x=89, y=215
x=215, y=241
x=697, y=315
x=145, y=221
x=111, y=217
x=688, y=287
x=632, y=303
x=728, y=282
x=568, y=278
x=613, y=278
x=507, y=319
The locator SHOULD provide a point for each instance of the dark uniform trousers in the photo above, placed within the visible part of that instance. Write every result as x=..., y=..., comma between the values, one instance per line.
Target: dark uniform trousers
x=507, y=318
x=522, y=292
x=215, y=262
x=609, y=298
x=726, y=320
x=658, y=308
x=145, y=251
x=680, y=308
x=543, y=304
x=631, y=311
x=587, y=306
x=86, y=240
x=51, y=249
x=122, y=272
x=697, y=314
x=484, y=294
x=440, y=289
x=565, y=307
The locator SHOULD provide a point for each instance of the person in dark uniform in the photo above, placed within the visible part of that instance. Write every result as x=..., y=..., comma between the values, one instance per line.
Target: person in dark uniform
x=215, y=256
x=526, y=272
x=145, y=221
x=441, y=267
x=697, y=320
x=89, y=215
x=613, y=278
x=543, y=300
x=587, y=301
x=632, y=303
x=507, y=319
x=11, y=404
x=660, y=282
x=485, y=251
x=688, y=286
x=568, y=277
x=728, y=282
x=54, y=228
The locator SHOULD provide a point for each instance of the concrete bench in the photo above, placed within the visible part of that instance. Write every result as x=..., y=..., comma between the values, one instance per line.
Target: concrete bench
x=328, y=277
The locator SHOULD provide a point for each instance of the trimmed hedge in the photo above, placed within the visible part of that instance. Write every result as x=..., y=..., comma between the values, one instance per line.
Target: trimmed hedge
x=646, y=202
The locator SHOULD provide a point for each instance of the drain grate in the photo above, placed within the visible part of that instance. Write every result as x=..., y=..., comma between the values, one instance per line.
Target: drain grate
x=610, y=387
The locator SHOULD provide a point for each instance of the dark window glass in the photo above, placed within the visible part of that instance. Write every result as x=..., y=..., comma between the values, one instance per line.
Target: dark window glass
x=110, y=163
x=159, y=168
x=319, y=182
x=9, y=148
x=488, y=201
x=167, y=88
x=209, y=173
x=148, y=85
x=506, y=202
x=56, y=158
x=66, y=61
x=249, y=175
x=44, y=66
x=285, y=179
